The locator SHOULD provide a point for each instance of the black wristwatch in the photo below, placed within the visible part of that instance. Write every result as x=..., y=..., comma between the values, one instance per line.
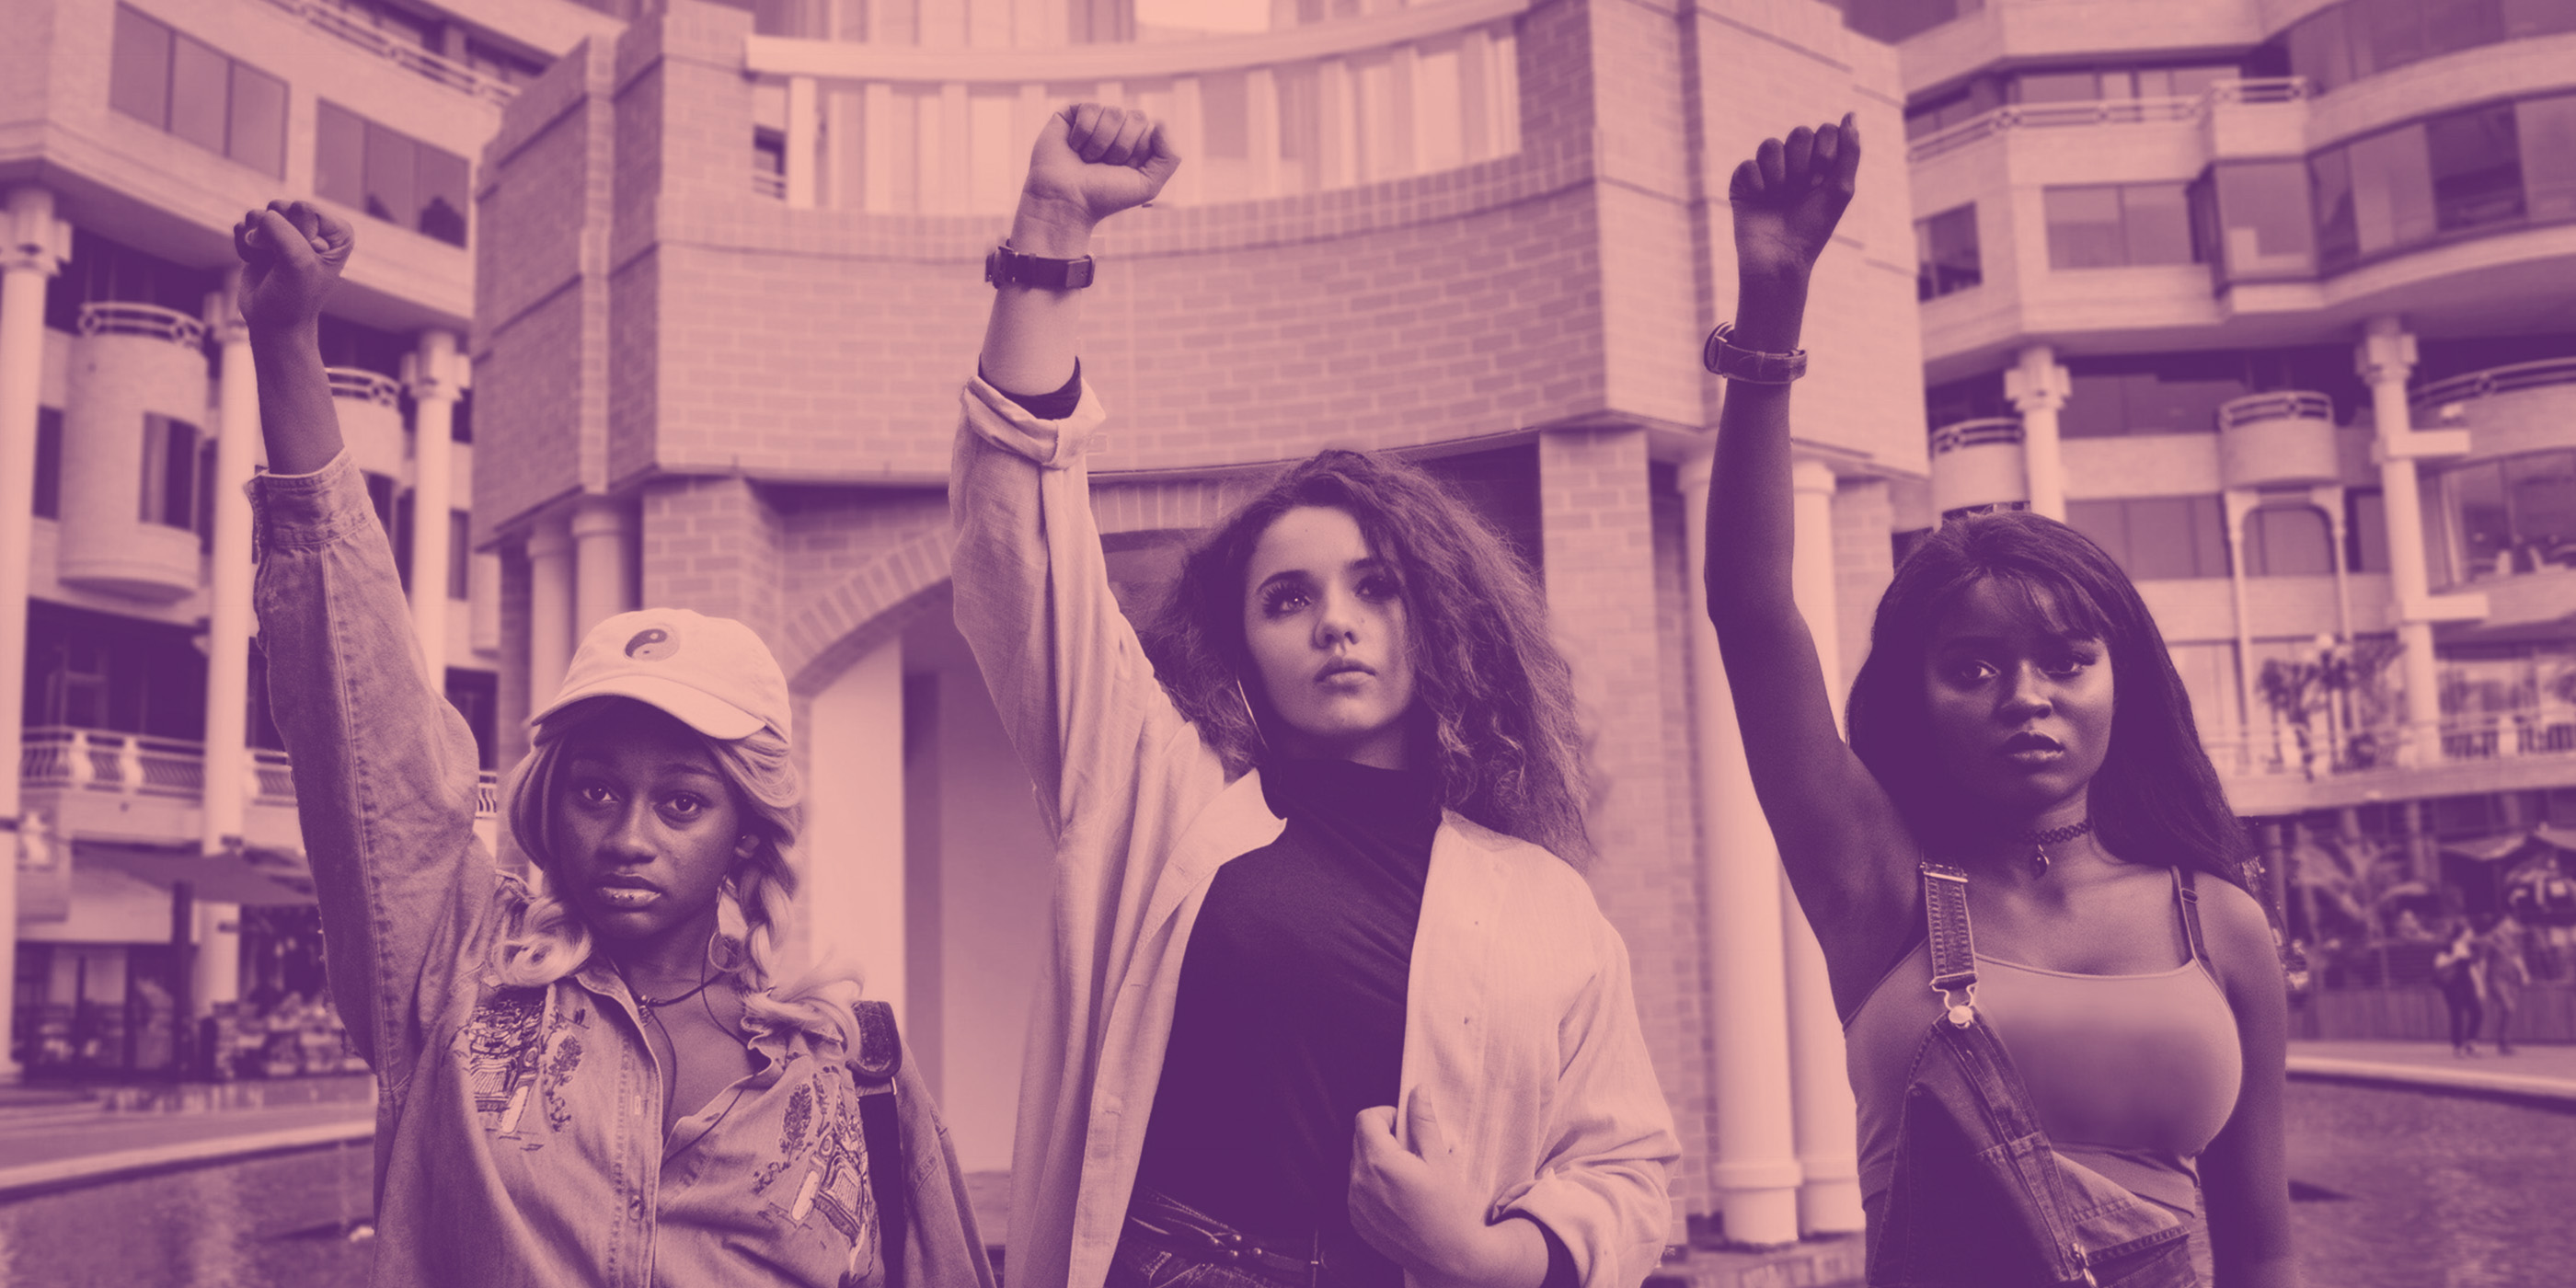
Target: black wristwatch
x=1008, y=265
x=1725, y=357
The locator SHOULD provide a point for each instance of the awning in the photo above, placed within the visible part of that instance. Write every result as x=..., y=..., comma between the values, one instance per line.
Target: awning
x=254, y=877
x=2488, y=849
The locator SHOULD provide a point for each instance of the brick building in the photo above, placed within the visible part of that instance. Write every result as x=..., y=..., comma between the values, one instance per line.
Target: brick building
x=727, y=288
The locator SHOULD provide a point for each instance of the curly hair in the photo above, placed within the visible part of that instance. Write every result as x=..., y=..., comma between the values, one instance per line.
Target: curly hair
x=1494, y=713
x=2156, y=797
x=756, y=906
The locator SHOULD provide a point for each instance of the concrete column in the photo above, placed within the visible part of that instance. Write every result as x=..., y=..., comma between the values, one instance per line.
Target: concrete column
x=550, y=609
x=2385, y=358
x=1756, y=1171
x=216, y=968
x=2238, y=504
x=600, y=535
x=434, y=388
x=804, y=127
x=33, y=246
x=1826, y=1117
x=854, y=895
x=2038, y=388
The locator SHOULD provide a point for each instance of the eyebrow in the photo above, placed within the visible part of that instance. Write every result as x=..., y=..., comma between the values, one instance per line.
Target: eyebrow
x=672, y=767
x=1371, y=563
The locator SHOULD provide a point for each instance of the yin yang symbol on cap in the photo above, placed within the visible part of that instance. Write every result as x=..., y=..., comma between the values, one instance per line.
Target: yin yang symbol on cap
x=652, y=644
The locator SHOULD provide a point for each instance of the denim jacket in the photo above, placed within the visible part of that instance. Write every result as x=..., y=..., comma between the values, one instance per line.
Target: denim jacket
x=518, y=1130
x=1520, y=1023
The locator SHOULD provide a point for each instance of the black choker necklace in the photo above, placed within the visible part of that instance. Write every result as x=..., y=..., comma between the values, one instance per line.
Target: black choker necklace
x=2040, y=841
x=644, y=1005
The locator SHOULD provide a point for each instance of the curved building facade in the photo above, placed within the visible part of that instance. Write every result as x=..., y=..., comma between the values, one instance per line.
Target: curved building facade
x=729, y=287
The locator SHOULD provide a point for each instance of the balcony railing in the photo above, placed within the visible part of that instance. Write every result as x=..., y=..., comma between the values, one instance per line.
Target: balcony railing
x=365, y=386
x=1976, y=433
x=335, y=20
x=125, y=317
x=2289, y=404
x=2446, y=400
x=2108, y=111
x=98, y=760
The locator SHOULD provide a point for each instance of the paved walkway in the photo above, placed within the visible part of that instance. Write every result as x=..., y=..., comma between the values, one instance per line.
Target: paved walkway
x=2537, y=1072
x=52, y=1141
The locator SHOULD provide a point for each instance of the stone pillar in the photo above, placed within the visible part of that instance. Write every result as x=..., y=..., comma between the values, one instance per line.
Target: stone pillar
x=33, y=246
x=2038, y=388
x=432, y=381
x=804, y=123
x=1756, y=1170
x=2385, y=358
x=217, y=969
x=550, y=609
x=1826, y=1118
x=854, y=898
x=601, y=529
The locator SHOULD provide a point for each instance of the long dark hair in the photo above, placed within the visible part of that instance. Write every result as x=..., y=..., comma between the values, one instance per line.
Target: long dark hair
x=2156, y=798
x=1494, y=711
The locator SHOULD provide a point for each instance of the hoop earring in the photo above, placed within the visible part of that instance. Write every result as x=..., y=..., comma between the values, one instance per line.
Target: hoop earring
x=1259, y=737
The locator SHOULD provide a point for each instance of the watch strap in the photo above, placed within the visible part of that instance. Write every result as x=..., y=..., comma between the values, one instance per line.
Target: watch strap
x=1007, y=265
x=1753, y=366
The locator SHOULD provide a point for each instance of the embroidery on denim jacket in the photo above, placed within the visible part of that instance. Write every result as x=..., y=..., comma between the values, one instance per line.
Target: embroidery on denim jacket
x=823, y=1126
x=563, y=1056
x=499, y=1049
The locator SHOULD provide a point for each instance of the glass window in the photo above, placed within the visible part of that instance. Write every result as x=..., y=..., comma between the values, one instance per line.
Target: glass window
x=49, y=463
x=340, y=156
x=2192, y=82
x=2157, y=219
x=2476, y=167
x=2392, y=189
x=2320, y=50
x=2365, y=530
x=2538, y=17
x=1945, y=253
x=169, y=483
x=2157, y=538
x=1225, y=115
x=393, y=175
x=2106, y=522
x=2477, y=497
x=256, y=136
x=2264, y=229
x=460, y=554
x=2386, y=34
x=2057, y=87
x=2540, y=489
x=2287, y=541
x=443, y=196
x=2338, y=224
x=138, y=72
x=200, y=89
x=2545, y=129
x=2084, y=227
x=2451, y=25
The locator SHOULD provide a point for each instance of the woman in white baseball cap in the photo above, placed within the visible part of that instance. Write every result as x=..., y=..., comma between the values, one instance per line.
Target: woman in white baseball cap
x=605, y=1078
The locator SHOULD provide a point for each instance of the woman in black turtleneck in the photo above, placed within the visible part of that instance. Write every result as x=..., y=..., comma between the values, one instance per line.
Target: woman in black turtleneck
x=1327, y=1002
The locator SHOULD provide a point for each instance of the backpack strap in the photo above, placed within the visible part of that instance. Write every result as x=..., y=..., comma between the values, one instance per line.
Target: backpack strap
x=875, y=1058
x=1952, y=944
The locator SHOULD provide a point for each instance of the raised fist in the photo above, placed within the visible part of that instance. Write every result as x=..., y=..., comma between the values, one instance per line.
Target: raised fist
x=1092, y=161
x=1788, y=198
x=292, y=254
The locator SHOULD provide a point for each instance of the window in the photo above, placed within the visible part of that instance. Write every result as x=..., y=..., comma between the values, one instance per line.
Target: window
x=2342, y=43
x=2372, y=194
x=2476, y=167
x=2365, y=530
x=2157, y=538
x=460, y=554
x=389, y=174
x=2288, y=541
x=2252, y=221
x=171, y=458
x=1945, y=253
x=2118, y=225
x=2163, y=394
x=49, y=463
x=2546, y=129
x=476, y=695
x=177, y=83
x=1978, y=97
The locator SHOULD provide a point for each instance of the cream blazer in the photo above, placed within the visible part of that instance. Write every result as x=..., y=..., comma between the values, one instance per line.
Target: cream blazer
x=1520, y=1026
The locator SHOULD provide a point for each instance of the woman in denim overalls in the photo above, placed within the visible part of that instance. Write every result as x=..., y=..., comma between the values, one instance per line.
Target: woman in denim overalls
x=604, y=1079
x=2022, y=750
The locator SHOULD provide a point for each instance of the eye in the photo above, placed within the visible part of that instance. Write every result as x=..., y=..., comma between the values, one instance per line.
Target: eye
x=684, y=805
x=1967, y=670
x=1279, y=600
x=593, y=793
x=2068, y=665
x=1378, y=587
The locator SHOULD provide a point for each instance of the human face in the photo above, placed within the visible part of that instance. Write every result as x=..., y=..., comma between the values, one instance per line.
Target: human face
x=646, y=829
x=2021, y=711
x=1326, y=623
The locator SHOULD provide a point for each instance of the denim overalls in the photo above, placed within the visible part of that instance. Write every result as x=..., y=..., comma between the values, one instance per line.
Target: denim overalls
x=1979, y=1198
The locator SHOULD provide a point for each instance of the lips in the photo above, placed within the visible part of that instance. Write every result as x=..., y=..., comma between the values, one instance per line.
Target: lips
x=626, y=891
x=1341, y=666
x=2028, y=741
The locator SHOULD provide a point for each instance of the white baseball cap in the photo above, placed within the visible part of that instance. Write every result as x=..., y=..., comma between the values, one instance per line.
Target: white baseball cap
x=711, y=673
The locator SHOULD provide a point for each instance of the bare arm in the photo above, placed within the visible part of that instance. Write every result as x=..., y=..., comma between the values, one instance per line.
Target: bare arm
x=291, y=258
x=2245, y=1172
x=1847, y=852
x=1090, y=162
